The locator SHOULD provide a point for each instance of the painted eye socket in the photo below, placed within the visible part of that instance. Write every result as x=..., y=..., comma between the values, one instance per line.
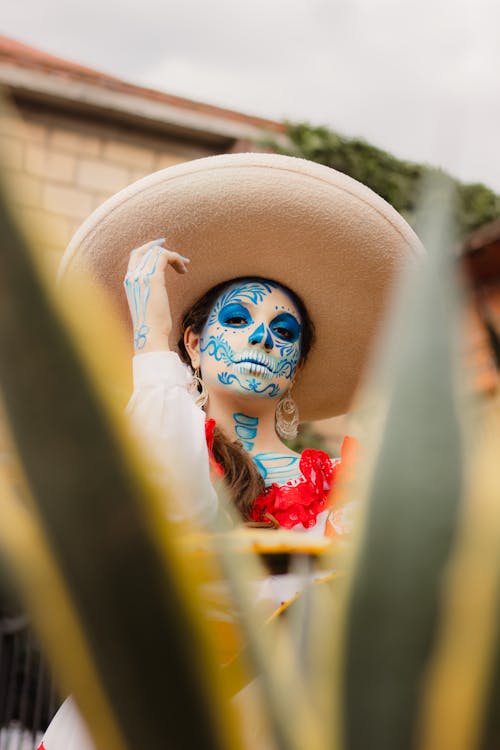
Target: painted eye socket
x=234, y=316
x=236, y=320
x=286, y=327
x=284, y=333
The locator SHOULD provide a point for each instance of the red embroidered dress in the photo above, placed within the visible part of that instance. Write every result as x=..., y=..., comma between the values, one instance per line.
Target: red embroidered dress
x=298, y=501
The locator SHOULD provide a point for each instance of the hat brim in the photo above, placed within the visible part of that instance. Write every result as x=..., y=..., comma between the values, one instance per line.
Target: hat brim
x=330, y=239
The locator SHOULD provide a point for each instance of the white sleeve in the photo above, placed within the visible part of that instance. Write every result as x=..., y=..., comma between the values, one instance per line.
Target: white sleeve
x=67, y=730
x=171, y=426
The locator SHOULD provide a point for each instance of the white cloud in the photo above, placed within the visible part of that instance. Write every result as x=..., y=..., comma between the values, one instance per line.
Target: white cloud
x=417, y=77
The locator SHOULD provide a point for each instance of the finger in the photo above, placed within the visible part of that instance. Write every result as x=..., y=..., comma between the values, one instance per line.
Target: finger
x=159, y=257
x=179, y=262
x=140, y=252
x=155, y=258
x=143, y=262
x=155, y=261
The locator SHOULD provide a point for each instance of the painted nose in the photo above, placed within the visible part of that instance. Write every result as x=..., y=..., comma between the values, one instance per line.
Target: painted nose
x=261, y=336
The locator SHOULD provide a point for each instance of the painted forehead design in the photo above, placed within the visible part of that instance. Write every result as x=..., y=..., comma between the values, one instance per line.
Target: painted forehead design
x=251, y=291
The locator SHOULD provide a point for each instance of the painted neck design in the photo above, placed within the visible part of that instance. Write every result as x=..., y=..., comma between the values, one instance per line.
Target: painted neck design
x=273, y=466
x=245, y=428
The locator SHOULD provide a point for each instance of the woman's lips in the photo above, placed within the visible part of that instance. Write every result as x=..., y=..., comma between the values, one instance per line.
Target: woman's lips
x=252, y=367
x=256, y=362
x=254, y=357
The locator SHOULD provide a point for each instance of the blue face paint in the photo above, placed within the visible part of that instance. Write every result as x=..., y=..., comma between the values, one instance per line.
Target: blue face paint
x=253, y=337
x=234, y=315
x=286, y=327
x=249, y=361
x=246, y=429
x=252, y=292
x=218, y=348
x=250, y=384
x=261, y=335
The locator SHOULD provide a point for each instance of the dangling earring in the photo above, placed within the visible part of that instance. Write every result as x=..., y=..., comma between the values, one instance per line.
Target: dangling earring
x=199, y=389
x=287, y=417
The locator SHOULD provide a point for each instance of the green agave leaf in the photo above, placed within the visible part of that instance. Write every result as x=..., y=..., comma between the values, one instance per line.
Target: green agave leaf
x=490, y=739
x=24, y=555
x=147, y=647
x=412, y=505
x=485, y=496
x=460, y=696
x=290, y=720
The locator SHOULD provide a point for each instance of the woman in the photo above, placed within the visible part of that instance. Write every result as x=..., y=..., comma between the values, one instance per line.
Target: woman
x=290, y=266
x=273, y=314
x=245, y=341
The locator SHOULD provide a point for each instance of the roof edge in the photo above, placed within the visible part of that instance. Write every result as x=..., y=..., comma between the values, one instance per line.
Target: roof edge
x=159, y=112
x=16, y=55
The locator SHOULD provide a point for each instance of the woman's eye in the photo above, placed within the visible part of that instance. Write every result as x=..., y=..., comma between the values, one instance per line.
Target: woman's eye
x=236, y=320
x=284, y=333
x=286, y=326
x=234, y=315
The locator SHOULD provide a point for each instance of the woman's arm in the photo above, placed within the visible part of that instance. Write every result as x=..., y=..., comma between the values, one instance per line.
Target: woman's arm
x=172, y=428
x=163, y=412
x=147, y=295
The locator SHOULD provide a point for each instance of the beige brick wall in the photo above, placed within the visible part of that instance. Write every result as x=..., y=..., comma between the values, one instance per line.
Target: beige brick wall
x=60, y=168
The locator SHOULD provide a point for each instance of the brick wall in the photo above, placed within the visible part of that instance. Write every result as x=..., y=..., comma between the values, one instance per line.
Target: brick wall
x=60, y=168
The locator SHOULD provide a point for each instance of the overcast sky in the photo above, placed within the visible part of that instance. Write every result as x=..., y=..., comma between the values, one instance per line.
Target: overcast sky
x=419, y=78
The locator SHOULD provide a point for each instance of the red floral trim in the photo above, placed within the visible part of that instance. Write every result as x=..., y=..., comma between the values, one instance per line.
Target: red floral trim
x=41, y=747
x=300, y=500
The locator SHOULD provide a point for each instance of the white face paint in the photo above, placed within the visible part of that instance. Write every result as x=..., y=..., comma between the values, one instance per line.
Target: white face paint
x=252, y=339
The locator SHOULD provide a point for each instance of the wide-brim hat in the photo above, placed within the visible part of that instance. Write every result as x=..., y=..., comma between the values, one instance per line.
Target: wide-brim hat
x=330, y=239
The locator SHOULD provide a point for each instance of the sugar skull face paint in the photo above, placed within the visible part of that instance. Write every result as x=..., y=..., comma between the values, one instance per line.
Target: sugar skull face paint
x=251, y=341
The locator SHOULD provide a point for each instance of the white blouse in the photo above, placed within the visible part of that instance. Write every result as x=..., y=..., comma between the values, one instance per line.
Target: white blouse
x=171, y=426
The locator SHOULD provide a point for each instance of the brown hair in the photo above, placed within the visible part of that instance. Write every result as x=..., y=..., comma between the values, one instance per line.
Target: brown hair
x=242, y=478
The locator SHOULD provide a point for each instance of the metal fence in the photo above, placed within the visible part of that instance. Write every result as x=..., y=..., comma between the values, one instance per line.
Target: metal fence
x=28, y=699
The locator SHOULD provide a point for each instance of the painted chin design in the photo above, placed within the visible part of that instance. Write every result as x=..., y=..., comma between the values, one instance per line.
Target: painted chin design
x=255, y=363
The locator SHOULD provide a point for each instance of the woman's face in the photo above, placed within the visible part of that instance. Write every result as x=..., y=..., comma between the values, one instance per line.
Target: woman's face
x=251, y=341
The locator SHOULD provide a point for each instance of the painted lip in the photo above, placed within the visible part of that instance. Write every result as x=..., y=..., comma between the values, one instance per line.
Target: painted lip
x=251, y=368
x=255, y=364
x=256, y=358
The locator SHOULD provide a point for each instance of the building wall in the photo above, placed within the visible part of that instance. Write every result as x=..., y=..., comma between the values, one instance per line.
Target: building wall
x=60, y=168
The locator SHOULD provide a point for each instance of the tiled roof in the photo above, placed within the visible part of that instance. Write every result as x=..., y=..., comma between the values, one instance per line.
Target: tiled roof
x=23, y=56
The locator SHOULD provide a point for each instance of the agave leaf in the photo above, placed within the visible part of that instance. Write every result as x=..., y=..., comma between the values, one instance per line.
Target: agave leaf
x=460, y=707
x=24, y=548
x=410, y=524
x=490, y=735
x=285, y=717
x=103, y=523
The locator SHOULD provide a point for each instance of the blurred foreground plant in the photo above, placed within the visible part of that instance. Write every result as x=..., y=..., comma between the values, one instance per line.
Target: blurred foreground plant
x=407, y=655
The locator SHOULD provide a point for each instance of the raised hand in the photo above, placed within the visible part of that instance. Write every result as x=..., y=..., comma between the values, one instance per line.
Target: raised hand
x=147, y=294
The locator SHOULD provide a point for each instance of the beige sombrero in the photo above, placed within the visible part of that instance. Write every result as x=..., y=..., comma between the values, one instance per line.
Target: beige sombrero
x=330, y=239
